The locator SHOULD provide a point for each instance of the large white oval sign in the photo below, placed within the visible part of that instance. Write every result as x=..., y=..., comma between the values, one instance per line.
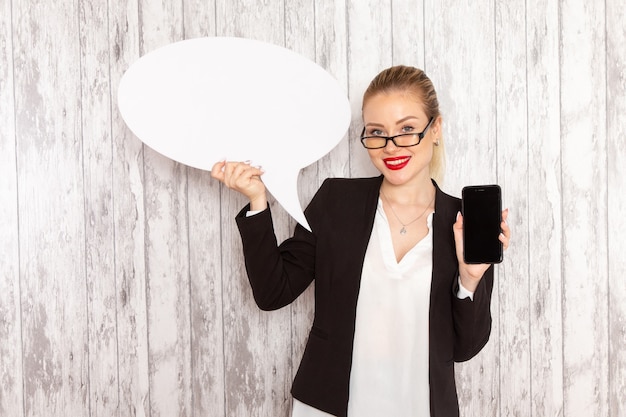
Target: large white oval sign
x=202, y=100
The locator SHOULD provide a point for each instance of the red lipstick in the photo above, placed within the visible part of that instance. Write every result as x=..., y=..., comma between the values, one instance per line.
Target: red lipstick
x=397, y=162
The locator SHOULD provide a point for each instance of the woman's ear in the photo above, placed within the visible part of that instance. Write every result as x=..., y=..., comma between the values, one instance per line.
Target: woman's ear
x=436, y=127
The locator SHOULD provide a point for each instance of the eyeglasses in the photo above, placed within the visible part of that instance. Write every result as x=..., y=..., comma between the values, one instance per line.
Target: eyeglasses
x=403, y=140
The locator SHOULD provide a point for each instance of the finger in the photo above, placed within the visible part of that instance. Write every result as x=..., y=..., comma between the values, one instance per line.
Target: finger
x=505, y=240
x=459, y=221
x=248, y=167
x=244, y=178
x=506, y=230
x=249, y=174
x=504, y=226
x=457, y=229
x=232, y=172
x=236, y=170
x=217, y=171
x=243, y=172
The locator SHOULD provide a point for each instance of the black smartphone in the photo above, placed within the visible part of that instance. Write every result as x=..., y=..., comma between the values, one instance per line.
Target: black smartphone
x=482, y=215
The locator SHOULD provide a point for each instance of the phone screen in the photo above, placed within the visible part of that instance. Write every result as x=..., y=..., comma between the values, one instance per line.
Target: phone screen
x=482, y=215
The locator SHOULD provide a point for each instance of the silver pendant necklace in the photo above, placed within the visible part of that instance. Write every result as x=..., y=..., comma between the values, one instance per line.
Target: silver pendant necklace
x=404, y=226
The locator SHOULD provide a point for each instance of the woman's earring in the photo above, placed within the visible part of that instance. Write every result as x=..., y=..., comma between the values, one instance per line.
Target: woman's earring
x=437, y=142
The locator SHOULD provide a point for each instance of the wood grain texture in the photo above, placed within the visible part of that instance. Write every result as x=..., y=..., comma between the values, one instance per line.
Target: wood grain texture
x=512, y=158
x=129, y=226
x=51, y=210
x=331, y=51
x=205, y=267
x=583, y=158
x=95, y=109
x=167, y=254
x=616, y=161
x=544, y=221
x=408, y=27
x=123, y=288
x=11, y=376
x=199, y=18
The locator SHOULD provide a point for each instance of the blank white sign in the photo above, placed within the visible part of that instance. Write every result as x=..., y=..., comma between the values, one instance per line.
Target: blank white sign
x=203, y=100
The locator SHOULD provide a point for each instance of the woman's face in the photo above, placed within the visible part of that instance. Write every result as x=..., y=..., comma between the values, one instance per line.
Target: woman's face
x=390, y=114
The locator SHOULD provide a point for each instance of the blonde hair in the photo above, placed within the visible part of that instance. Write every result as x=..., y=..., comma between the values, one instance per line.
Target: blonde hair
x=415, y=82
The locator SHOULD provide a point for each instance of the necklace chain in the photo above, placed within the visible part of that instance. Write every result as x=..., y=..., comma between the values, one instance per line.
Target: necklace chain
x=403, y=230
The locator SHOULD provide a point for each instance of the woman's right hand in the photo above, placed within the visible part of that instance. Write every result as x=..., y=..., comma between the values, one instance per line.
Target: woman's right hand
x=244, y=178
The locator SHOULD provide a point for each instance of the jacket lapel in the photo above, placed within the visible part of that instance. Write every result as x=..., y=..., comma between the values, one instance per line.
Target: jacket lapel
x=444, y=251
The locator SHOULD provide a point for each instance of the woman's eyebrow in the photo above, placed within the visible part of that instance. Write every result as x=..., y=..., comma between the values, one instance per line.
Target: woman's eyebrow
x=404, y=119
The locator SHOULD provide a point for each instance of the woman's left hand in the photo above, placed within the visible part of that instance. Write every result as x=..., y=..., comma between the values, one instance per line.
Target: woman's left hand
x=471, y=274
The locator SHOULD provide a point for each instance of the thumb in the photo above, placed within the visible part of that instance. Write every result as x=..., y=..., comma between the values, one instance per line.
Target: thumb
x=457, y=228
x=458, y=224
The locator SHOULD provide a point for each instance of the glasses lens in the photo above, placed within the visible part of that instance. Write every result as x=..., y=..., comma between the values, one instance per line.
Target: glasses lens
x=407, y=140
x=374, y=142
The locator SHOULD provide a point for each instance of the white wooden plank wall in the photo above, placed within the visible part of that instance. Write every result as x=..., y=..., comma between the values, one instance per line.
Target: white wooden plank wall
x=544, y=223
x=122, y=287
x=616, y=201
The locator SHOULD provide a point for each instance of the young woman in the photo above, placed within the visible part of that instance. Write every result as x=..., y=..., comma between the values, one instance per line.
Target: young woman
x=395, y=305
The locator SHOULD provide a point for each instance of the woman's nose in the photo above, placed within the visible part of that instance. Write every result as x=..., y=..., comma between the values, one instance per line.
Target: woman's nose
x=390, y=146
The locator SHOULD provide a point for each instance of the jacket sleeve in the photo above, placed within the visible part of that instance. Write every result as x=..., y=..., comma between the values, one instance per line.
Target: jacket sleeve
x=472, y=319
x=278, y=274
